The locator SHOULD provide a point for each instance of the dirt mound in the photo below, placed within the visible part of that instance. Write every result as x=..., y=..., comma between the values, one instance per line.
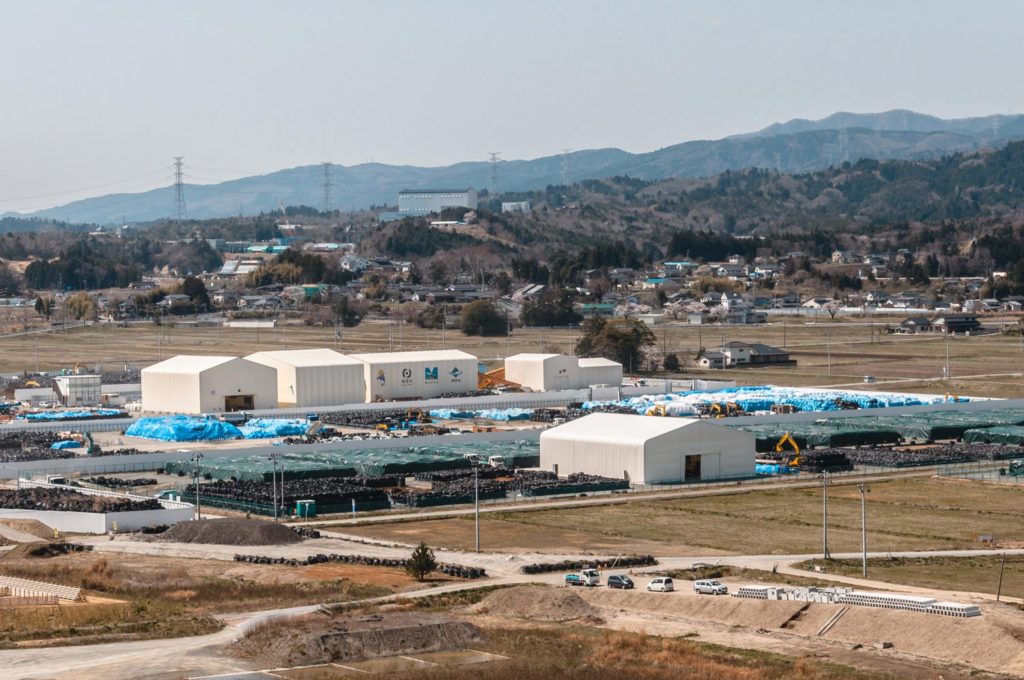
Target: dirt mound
x=537, y=603
x=29, y=526
x=312, y=640
x=230, y=532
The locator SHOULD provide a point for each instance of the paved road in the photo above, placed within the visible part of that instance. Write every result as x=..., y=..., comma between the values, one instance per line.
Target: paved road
x=201, y=654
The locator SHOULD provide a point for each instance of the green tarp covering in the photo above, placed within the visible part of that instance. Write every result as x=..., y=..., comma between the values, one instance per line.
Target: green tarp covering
x=371, y=462
x=1007, y=434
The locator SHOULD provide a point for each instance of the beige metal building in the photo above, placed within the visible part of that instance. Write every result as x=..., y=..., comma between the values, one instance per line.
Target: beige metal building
x=208, y=384
x=543, y=372
x=314, y=377
x=412, y=375
x=600, y=371
x=647, y=449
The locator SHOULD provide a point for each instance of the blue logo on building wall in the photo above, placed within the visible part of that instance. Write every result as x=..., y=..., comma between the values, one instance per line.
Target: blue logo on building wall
x=455, y=372
x=430, y=373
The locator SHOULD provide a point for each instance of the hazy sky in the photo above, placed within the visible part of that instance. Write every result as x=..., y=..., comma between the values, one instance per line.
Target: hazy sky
x=97, y=97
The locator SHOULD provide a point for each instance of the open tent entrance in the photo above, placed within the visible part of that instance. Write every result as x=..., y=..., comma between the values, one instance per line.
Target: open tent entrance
x=691, y=468
x=239, y=402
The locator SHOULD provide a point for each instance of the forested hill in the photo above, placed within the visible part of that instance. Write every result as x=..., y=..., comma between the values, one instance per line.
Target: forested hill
x=794, y=147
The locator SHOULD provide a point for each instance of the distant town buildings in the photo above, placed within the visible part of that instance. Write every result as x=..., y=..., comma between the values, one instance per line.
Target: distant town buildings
x=418, y=202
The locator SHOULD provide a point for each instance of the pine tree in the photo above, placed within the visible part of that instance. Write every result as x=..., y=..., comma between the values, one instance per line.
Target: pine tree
x=421, y=562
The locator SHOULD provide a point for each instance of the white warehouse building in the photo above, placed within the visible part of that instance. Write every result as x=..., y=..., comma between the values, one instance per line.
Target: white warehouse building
x=314, y=377
x=417, y=375
x=647, y=449
x=208, y=384
x=416, y=202
x=544, y=372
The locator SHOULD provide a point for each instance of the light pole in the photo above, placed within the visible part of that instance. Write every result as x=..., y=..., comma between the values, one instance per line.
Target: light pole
x=476, y=501
x=828, y=344
x=947, y=354
x=196, y=458
x=863, y=529
x=824, y=517
x=273, y=481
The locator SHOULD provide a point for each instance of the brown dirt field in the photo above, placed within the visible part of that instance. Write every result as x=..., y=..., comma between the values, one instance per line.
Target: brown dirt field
x=395, y=579
x=29, y=526
x=537, y=603
x=501, y=535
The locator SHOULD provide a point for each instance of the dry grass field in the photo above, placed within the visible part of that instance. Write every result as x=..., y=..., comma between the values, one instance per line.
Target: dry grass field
x=840, y=352
x=912, y=514
x=976, y=574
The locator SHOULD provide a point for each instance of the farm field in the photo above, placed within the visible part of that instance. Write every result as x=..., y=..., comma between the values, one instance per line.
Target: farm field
x=839, y=352
x=912, y=514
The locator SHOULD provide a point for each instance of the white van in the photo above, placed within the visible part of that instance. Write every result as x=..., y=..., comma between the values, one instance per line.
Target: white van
x=710, y=587
x=662, y=584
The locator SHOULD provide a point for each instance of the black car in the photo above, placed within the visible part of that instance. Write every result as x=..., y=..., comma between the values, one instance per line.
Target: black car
x=623, y=582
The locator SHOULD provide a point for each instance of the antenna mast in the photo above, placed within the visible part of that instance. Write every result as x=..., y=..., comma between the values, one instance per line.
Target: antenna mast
x=179, y=189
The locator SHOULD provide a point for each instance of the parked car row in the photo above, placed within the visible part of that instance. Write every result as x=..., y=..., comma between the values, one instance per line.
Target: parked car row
x=660, y=584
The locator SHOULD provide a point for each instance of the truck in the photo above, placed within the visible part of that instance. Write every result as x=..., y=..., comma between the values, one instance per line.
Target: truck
x=586, y=577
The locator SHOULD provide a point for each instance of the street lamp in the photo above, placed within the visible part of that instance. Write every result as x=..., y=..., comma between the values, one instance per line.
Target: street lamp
x=196, y=458
x=863, y=529
x=476, y=501
x=825, y=555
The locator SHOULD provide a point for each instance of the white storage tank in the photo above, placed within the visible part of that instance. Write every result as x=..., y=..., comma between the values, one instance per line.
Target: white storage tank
x=314, y=377
x=418, y=375
x=208, y=384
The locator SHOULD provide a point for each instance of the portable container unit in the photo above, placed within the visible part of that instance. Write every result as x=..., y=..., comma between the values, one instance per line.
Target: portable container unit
x=599, y=371
x=418, y=375
x=647, y=450
x=208, y=384
x=543, y=372
x=314, y=377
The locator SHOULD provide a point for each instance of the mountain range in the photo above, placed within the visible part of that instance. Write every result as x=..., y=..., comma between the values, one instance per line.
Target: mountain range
x=797, y=146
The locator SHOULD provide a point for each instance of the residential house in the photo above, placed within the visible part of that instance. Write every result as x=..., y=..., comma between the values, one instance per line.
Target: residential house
x=957, y=323
x=711, y=359
x=731, y=271
x=755, y=354
x=817, y=303
x=916, y=324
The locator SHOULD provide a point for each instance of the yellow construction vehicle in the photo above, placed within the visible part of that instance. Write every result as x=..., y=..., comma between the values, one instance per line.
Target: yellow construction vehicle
x=657, y=410
x=954, y=398
x=793, y=460
x=418, y=415
x=724, y=410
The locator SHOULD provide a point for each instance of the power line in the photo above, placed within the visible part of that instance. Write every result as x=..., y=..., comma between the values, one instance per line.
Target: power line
x=494, y=171
x=179, y=189
x=327, y=186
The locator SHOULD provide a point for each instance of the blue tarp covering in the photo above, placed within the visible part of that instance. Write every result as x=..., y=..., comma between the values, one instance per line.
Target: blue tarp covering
x=66, y=444
x=72, y=415
x=182, y=429
x=265, y=428
x=502, y=414
x=762, y=397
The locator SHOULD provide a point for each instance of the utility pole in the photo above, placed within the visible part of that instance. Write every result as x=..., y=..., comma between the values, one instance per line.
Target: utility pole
x=825, y=555
x=179, y=189
x=1002, y=568
x=273, y=481
x=828, y=343
x=947, y=355
x=476, y=501
x=495, y=157
x=327, y=186
x=196, y=458
x=863, y=529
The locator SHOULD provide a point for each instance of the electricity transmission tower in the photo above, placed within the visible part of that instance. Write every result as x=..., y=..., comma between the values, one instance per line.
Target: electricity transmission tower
x=327, y=186
x=494, y=171
x=565, y=167
x=179, y=189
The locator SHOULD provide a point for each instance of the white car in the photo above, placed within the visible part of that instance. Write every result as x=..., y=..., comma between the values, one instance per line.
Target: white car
x=662, y=584
x=710, y=587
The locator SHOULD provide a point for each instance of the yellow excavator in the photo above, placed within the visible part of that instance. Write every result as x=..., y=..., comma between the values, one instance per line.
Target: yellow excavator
x=725, y=410
x=954, y=398
x=657, y=410
x=793, y=459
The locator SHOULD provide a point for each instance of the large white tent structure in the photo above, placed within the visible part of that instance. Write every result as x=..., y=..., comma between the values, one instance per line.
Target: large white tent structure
x=544, y=372
x=647, y=449
x=418, y=375
x=208, y=384
x=314, y=377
